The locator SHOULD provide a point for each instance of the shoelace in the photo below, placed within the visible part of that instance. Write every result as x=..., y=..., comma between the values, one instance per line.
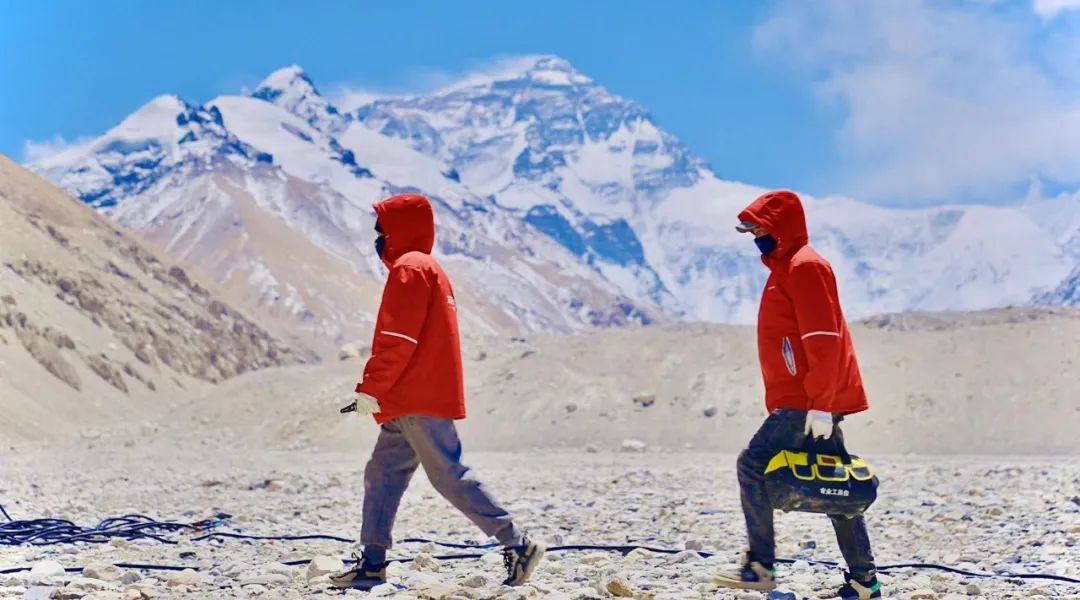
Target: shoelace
x=509, y=561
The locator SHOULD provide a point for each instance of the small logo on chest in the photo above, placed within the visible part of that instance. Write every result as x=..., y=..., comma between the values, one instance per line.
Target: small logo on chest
x=451, y=303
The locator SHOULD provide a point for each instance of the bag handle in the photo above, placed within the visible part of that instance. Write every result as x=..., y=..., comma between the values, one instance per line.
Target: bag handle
x=832, y=446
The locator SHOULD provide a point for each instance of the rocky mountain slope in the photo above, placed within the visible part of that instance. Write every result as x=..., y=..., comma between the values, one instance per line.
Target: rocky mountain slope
x=94, y=324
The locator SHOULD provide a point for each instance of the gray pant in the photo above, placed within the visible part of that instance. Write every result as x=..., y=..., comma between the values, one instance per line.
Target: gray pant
x=414, y=440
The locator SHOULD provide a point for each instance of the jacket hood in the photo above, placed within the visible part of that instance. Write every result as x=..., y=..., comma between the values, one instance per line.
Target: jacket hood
x=781, y=212
x=408, y=222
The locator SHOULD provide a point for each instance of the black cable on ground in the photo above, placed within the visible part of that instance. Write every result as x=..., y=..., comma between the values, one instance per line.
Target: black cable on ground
x=44, y=532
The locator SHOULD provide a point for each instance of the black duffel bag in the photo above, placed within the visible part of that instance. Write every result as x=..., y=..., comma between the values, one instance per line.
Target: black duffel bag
x=820, y=477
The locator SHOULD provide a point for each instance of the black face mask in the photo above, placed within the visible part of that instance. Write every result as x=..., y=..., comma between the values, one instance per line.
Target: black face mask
x=380, y=242
x=766, y=243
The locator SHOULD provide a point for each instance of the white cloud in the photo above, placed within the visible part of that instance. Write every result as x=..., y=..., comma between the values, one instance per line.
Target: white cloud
x=1048, y=9
x=939, y=101
x=40, y=150
x=348, y=96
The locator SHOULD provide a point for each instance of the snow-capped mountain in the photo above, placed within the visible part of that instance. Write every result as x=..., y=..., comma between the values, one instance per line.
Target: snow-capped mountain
x=597, y=173
x=560, y=205
x=279, y=212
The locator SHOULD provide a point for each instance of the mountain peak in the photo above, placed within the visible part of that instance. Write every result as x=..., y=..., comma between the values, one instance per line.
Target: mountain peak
x=544, y=69
x=290, y=79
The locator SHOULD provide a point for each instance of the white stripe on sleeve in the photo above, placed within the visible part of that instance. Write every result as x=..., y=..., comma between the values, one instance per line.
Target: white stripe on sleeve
x=813, y=333
x=400, y=335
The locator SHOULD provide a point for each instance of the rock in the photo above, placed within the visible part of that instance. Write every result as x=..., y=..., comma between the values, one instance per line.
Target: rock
x=85, y=585
x=103, y=572
x=973, y=589
x=187, y=577
x=923, y=594
x=265, y=579
x=696, y=545
x=134, y=593
x=645, y=400
x=619, y=587
x=47, y=568
x=386, y=589
x=40, y=592
x=686, y=556
x=637, y=555
x=633, y=446
x=709, y=412
x=592, y=448
x=424, y=562
x=118, y=542
x=492, y=558
x=100, y=364
x=323, y=565
x=129, y=577
x=281, y=569
x=347, y=351
x=475, y=581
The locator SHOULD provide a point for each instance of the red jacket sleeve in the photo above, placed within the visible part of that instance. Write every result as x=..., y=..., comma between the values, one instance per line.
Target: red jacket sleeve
x=401, y=317
x=812, y=288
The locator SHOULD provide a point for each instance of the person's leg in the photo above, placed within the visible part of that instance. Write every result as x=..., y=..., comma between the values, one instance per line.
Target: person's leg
x=780, y=430
x=851, y=535
x=386, y=477
x=436, y=443
x=854, y=543
x=438, y=449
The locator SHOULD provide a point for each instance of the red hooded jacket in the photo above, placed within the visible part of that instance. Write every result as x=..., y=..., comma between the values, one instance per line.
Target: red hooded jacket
x=415, y=364
x=806, y=353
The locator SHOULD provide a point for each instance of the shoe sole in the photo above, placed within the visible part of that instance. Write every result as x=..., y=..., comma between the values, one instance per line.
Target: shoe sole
x=344, y=582
x=352, y=585
x=538, y=555
x=738, y=584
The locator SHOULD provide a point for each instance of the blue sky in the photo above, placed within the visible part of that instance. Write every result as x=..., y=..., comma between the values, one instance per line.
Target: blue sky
x=901, y=102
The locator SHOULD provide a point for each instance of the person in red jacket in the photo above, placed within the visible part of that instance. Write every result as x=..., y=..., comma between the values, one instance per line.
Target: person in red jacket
x=812, y=381
x=413, y=385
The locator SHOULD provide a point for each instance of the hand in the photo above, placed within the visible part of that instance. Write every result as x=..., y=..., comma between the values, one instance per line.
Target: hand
x=362, y=404
x=819, y=424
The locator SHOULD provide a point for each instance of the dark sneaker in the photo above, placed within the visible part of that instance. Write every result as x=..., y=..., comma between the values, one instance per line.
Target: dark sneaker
x=521, y=561
x=363, y=576
x=859, y=590
x=752, y=575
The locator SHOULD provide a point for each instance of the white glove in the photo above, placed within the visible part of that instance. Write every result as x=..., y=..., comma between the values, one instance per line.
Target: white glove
x=365, y=404
x=819, y=424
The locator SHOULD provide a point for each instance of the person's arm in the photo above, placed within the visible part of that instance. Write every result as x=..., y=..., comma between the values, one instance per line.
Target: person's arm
x=401, y=318
x=817, y=310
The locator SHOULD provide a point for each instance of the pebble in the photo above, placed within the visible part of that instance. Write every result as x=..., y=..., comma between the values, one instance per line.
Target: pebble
x=425, y=562
x=475, y=581
x=187, y=577
x=617, y=586
x=265, y=579
x=633, y=446
x=39, y=592
x=323, y=565
x=47, y=568
x=104, y=572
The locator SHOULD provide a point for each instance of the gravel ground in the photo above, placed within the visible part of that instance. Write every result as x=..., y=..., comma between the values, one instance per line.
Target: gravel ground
x=979, y=513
